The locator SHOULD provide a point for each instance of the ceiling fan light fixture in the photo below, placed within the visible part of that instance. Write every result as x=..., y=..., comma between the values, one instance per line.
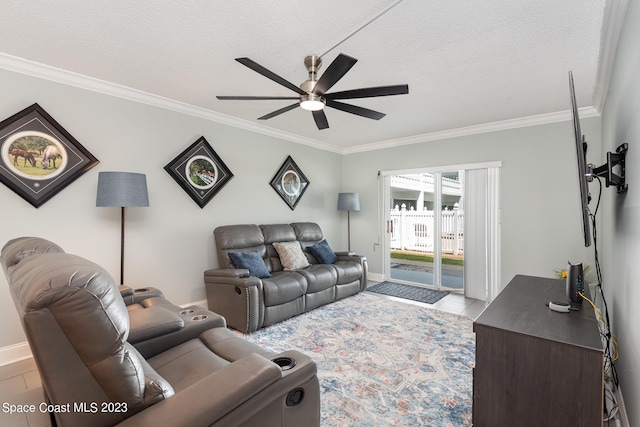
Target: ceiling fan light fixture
x=312, y=102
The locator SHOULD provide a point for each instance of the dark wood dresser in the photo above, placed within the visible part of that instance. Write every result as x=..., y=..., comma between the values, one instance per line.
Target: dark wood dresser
x=537, y=367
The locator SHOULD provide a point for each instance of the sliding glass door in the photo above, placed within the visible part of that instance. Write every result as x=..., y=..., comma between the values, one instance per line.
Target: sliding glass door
x=429, y=223
x=426, y=233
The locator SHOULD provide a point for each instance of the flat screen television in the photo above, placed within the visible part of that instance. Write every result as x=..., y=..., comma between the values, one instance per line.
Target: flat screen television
x=584, y=170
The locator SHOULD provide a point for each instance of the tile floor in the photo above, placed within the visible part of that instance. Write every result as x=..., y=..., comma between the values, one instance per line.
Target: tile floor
x=20, y=385
x=20, y=382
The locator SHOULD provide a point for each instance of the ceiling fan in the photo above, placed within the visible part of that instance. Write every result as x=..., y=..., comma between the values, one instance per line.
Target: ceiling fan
x=312, y=94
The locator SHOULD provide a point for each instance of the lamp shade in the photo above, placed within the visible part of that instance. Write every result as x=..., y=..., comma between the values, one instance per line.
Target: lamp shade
x=122, y=189
x=348, y=202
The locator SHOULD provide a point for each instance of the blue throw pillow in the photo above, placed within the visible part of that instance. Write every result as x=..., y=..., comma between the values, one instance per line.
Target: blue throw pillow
x=323, y=253
x=251, y=261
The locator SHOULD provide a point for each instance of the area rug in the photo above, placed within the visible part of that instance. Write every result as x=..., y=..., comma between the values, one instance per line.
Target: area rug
x=413, y=293
x=383, y=362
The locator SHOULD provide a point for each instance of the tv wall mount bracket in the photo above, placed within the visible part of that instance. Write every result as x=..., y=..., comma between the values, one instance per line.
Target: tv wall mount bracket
x=607, y=170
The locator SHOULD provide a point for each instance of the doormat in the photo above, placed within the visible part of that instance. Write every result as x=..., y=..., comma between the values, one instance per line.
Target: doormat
x=413, y=293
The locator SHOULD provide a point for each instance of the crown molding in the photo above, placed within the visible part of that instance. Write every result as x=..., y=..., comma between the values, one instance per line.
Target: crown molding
x=541, y=119
x=35, y=69
x=614, y=14
x=24, y=66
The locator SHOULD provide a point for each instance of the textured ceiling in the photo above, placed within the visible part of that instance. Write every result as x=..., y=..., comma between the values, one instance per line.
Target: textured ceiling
x=467, y=63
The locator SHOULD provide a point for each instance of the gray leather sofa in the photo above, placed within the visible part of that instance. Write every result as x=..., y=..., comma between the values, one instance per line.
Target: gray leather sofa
x=77, y=325
x=249, y=302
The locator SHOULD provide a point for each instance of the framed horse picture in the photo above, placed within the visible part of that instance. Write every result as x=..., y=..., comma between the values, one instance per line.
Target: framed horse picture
x=199, y=171
x=290, y=183
x=38, y=157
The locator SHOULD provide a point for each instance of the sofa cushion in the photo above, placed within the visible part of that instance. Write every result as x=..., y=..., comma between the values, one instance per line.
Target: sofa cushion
x=291, y=255
x=251, y=261
x=237, y=238
x=319, y=277
x=323, y=252
x=283, y=287
x=307, y=231
x=275, y=233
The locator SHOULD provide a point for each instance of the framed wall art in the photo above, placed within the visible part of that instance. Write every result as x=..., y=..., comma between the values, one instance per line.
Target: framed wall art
x=38, y=157
x=290, y=183
x=199, y=171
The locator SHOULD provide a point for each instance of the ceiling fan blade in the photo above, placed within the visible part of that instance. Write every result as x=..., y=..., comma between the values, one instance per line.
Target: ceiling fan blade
x=270, y=75
x=369, y=92
x=354, y=109
x=278, y=112
x=336, y=70
x=321, y=119
x=253, y=98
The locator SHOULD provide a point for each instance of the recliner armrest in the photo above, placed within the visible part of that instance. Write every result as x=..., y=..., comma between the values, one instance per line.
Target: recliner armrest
x=151, y=322
x=125, y=290
x=210, y=399
x=134, y=296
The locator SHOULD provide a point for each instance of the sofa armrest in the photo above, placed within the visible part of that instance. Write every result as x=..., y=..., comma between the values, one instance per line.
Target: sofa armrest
x=227, y=272
x=351, y=256
x=210, y=399
x=345, y=253
x=238, y=299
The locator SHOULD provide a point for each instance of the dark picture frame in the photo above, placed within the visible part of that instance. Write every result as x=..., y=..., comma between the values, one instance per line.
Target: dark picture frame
x=38, y=157
x=199, y=171
x=290, y=183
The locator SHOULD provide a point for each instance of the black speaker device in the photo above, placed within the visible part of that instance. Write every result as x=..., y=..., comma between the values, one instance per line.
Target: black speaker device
x=575, y=282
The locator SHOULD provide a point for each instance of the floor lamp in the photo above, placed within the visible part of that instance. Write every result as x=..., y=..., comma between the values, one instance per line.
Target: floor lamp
x=348, y=202
x=122, y=189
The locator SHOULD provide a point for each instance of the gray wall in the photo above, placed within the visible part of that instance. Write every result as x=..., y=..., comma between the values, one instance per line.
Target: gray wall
x=169, y=244
x=620, y=230
x=540, y=214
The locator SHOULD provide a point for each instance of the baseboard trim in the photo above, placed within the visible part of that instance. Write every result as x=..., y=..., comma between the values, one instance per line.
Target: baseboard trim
x=622, y=409
x=375, y=277
x=201, y=303
x=14, y=353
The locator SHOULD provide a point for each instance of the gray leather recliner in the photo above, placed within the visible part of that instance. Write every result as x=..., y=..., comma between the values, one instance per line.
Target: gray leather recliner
x=77, y=325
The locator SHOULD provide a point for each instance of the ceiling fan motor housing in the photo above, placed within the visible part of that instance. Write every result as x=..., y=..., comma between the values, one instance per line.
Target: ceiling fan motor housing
x=313, y=64
x=311, y=101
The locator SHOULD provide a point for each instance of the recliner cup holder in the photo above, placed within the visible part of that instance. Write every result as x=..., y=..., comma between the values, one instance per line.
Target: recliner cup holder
x=200, y=317
x=188, y=311
x=285, y=363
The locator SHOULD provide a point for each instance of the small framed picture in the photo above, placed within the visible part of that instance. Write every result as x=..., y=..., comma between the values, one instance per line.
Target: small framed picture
x=38, y=157
x=199, y=171
x=290, y=183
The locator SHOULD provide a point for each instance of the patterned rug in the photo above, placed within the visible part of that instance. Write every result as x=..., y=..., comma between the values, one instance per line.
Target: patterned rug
x=383, y=362
x=413, y=293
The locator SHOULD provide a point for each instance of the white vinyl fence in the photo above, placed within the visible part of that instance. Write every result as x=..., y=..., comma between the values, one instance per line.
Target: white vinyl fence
x=414, y=230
